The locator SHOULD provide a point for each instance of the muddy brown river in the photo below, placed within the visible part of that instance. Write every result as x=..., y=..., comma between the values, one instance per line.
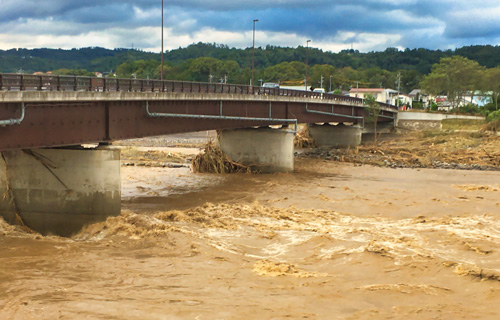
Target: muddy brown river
x=331, y=241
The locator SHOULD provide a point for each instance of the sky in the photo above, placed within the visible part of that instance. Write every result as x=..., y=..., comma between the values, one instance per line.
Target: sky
x=331, y=25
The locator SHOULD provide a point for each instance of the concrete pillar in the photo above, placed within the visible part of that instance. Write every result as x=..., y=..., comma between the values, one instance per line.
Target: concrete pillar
x=270, y=150
x=335, y=136
x=58, y=191
x=382, y=127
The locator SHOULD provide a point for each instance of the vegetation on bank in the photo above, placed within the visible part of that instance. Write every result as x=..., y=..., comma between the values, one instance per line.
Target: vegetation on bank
x=446, y=149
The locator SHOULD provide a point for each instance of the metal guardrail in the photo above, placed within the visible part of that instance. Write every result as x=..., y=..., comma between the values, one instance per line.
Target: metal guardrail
x=24, y=82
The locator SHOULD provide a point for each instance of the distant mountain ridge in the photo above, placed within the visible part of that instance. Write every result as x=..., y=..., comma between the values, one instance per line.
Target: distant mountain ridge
x=104, y=60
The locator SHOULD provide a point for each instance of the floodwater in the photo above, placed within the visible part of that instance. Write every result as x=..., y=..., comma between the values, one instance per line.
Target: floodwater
x=332, y=241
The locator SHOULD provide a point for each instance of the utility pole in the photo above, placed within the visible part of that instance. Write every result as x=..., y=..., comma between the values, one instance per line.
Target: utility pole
x=321, y=84
x=253, y=50
x=161, y=65
x=398, y=81
x=307, y=53
x=330, y=83
x=357, y=88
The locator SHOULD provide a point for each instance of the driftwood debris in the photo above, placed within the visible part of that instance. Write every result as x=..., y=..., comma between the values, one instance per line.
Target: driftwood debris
x=213, y=160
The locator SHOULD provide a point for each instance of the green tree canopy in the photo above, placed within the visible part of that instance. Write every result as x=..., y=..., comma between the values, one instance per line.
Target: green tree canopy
x=72, y=72
x=455, y=77
x=141, y=69
x=492, y=84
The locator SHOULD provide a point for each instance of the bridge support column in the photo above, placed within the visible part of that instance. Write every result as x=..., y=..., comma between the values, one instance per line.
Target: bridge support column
x=335, y=136
x=382, y=127
x=58, y=191
x=269, y=150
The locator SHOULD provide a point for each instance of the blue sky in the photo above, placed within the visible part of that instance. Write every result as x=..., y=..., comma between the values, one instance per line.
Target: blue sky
x=331, y=25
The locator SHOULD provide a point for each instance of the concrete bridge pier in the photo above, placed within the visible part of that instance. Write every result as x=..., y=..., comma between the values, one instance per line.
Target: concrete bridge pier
x=58, y=191
x=269, y=150
x=340, y=135
x=382, y=127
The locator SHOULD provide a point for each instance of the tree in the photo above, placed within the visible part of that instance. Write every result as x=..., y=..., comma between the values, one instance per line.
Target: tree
x=455, y=76
x=373, y=112
x=284, y=71
x=141, y=69
x=492, y=84
x=202, y=69
x=73, y=72
x=317, y=71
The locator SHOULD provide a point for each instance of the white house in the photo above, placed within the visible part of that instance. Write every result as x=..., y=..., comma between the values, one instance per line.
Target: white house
x=381, y=95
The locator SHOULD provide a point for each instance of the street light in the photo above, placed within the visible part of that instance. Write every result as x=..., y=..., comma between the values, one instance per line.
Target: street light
x=253, y=49
x=161, y=66
x=307, y=53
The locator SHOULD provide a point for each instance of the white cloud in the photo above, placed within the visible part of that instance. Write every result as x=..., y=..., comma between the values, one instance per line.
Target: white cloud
x=333, y=25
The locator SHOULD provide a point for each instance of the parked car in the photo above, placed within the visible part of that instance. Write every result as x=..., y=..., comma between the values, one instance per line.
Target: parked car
x=271, y=85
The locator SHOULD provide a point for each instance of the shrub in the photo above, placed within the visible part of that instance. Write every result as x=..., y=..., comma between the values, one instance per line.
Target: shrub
x=493, y=116
x=468, y=109
x=417, y=105
x=490, y=107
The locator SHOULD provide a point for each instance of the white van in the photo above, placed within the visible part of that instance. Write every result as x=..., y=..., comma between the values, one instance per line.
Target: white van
x=271, y=85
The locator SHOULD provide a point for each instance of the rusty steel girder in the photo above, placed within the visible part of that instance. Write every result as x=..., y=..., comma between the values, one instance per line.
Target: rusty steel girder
x=76, y=121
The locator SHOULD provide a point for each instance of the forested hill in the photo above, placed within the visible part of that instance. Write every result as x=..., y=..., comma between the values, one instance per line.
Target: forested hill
x=103, y=60
x=90, y=59
x=391, y=59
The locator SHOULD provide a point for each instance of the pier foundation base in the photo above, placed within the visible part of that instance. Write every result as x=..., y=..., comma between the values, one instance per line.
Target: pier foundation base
x=268, y=150
x=58, y=191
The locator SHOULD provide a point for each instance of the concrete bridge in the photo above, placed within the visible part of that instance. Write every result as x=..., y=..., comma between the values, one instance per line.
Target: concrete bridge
x=55, y=187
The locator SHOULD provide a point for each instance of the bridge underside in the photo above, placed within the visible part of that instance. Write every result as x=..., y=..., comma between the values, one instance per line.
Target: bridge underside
x=61, y=123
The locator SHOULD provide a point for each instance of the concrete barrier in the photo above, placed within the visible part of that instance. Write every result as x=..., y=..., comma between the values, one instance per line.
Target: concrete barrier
x=426, y=121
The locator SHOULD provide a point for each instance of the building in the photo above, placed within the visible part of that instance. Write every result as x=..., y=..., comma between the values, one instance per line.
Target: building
x=380, y=94
x=418, y=95
x=389, y=96
x=404, y=100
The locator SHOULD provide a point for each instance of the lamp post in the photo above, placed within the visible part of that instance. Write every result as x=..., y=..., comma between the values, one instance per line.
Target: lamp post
x=253, y=49
x=307, y=53
x=161, y=65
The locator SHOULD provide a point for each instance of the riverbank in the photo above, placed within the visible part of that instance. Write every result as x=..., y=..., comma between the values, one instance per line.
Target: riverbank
x=443, y=149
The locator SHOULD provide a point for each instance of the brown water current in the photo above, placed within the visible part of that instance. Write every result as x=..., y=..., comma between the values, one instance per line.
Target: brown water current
x=331, y=241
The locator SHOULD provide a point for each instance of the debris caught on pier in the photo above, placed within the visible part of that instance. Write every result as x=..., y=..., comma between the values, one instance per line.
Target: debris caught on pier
x=213, y=160
x=303, y=139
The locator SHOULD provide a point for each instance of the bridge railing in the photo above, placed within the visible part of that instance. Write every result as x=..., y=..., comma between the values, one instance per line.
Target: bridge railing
x=23, y=82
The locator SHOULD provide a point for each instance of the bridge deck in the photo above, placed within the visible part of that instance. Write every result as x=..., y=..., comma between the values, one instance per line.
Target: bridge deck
x=33, y=114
